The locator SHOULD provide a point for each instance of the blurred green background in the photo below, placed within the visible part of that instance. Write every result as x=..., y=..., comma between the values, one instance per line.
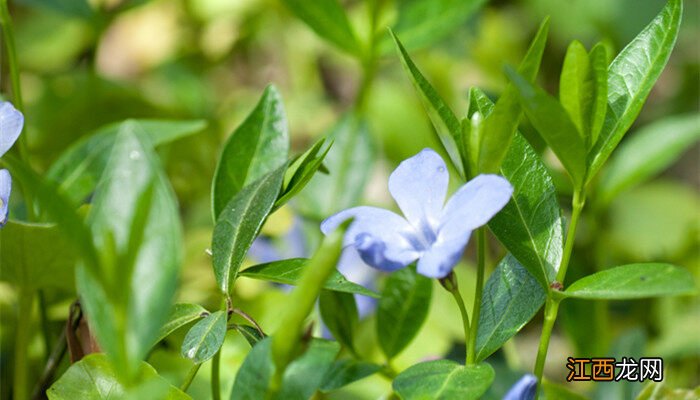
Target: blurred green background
x=85, y=64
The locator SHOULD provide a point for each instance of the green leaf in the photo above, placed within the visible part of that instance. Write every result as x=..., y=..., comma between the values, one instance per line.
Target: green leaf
x=239, y=224
x=631, y=76
x=599, y=67
x=402, y=309
x=289, y=272
x=94, y=378
x=345, y=372
x=530, y=224
x=36, y=256
x=81, y=166
x=251, y=334
x=301, y=171
x=500, y=126
x=552, y=390
x=69, y=8
x=553, y=123
x=339, y=314
x=423, y=22
x=301, y=379
x=510, y=299
x=446, y=124
x=257, y=147
x=328, y=19
x=648, y=152
x=443, y=380
x=349, y=163
x=205, y=338
x=181, y=315
x=135, y=224
x=634, y=281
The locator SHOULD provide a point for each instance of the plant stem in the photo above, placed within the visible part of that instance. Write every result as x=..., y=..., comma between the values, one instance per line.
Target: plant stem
x=476, y=311
x=450, y=283
x=190, y=377
x=24, y=320
x=369, y=58
x=215, y=381
x=552, y=305
x=45, y=327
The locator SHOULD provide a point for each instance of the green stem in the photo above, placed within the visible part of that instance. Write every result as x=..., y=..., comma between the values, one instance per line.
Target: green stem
x=369, y=58
x=24, y=320
x=577, y=203
x=550, y=315
x=45, y=327
x=476, y=311
x=190, y=377
x=215, y=381
x=465, y=317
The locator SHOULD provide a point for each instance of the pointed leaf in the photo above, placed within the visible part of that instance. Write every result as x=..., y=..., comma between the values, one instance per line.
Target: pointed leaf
x=443, y=380
x=181, y=315
x=239, y=224
x=251, y=334
x=599, y=67
x=205, y=338
x=301, y=171
x=257, y=147
x=634, y=281
x=339, y=313
x=345, y=372
x=328, y=19
x=632, y=75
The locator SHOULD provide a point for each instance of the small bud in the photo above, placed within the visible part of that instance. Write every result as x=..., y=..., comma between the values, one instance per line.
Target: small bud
x=449, y=282
x=557, y=286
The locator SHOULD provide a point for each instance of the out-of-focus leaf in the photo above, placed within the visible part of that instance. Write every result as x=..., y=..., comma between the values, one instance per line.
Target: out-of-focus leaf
x=328, y=19
x=443, y=379
x=205, y=338
x=345, y=372
x=422, y=22
x=36, y=256
x=630, y=78
x=530, y=224
x=647, y=153
x=250, y=334
x=500, y=126
x=69, y=8
x=553, y=123
x=630, y=344
x=134, y=217
x=257, y=147
x=289, y=272
x=511, y=298
x=339, y=314
x=634, y=281
x=402, y=309
x=239, y=224
x=81, y=166
x=301, y=171
x=301, y=379
x=349, y=163
x=181, y=315
x=446, y=124
x=552, y=390
x=94, y=378
x=658, y=391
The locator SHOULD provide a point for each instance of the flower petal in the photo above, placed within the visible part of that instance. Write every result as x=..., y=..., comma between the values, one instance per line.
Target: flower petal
x=442, y=257
x=11, y=122
x=473, y=205
x=419, y=185
x=5, y=189
x=524, y=389
x=383, y=239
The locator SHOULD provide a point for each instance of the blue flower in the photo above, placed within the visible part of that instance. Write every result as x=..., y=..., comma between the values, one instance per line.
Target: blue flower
x=432, y=232
x=524, y=389
x=11, y=122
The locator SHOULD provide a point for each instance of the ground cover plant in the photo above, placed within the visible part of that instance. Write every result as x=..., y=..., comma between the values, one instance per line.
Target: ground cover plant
x=349, y=199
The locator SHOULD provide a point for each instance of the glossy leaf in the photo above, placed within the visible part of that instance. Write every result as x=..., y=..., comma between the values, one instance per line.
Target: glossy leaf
x=301, y=171
x=301, y=379
x=339, y=314
x=402, y=309
x=94, y=378
x=289, y=272
x=181, y=315
x=134, y=216
x=553, y=123
x=446, y=124
x=530, y=224
x=443, y=380
x=81, y=166
x=648, y=152
x=346, y=371
x=510, y=299
x=631, y=76
x=239, y=224
x=36, y=256
x=257, y=147
x=349, y=163
x=328, y=19
x=205, y=338
x=599, y=68
x=634, y=281
x=500, y=126
x=251, y=334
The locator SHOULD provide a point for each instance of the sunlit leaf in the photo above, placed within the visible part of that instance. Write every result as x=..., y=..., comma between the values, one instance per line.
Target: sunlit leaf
x=442, y=380
x=205, y=338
